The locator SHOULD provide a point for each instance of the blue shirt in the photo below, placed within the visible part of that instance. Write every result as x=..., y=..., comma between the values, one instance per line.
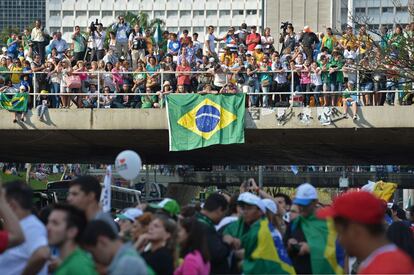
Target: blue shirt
x=122, y=31
x=174, y=46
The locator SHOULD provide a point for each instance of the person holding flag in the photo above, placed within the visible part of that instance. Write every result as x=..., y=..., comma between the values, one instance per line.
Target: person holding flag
x=311, y=242
x=257, y=249
x=359, y=221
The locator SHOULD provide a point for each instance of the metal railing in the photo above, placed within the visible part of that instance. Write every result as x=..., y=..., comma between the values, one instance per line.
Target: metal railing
x=228, y=76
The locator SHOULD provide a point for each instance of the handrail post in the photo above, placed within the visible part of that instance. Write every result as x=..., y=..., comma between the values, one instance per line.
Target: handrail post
x=34, y=89
x=292, y=84
x=99, y=92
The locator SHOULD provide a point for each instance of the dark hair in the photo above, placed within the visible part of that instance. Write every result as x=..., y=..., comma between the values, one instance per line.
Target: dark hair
x=74, y=218
x=96, y=229
x=20, y=192
x=400, y=212
x=197, y=238
x=170, y=226
x=402, y=236
x=195, y=34
x=287, y=199
x=373, y=229
x=88, y=184
x=233, y=205
x=215, y=201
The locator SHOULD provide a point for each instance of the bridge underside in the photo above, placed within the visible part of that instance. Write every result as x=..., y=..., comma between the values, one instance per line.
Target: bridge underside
x=333, y=146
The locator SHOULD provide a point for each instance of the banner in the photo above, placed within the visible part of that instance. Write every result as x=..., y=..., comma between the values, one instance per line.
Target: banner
x=196, y=121
x=106, y=191
x=14, y=103
x=382, y=190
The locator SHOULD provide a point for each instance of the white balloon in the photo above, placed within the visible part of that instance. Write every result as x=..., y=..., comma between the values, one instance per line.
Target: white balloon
x=128, y=164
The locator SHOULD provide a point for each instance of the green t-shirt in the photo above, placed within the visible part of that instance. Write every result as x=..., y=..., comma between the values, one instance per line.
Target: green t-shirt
x=79, y=262
x=79, y=43
x=336, y=77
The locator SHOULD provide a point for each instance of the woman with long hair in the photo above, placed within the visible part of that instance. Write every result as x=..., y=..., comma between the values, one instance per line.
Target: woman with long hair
x=194, y=248
x=158, y=245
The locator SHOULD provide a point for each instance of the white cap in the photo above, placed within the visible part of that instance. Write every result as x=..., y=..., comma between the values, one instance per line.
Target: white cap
x=258, y=47
x=130, y=214
x=211, y=59
x=4, y=49
x=305, y=194
x=270, y=205
x=249, y=198
x=22, y=87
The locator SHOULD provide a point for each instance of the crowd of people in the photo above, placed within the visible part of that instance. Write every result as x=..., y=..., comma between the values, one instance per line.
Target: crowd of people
x=329, y=67
x=248, y=232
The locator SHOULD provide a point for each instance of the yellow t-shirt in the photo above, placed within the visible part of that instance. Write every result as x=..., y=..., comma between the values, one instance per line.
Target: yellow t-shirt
x=15, y=77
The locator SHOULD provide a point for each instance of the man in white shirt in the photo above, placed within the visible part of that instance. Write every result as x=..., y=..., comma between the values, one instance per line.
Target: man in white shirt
x=196, y=44
x=98, y=39
x=31, y=256
x=38, y=39
x=209, y=47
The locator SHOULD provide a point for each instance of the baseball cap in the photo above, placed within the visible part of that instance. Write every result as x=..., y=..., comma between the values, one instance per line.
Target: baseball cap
x=130, y=214
x=22, y=87
x=4, y=49
x=251, y=199
x=305, y=194
x=258, y=47
x=169, y=205
x=358, y=206
x=270, y=205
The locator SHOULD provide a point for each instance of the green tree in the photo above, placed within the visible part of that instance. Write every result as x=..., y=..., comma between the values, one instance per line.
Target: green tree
x=5, y=33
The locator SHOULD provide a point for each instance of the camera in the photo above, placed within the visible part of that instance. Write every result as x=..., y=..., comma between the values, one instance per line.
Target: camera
x=94, y=25
x=284, y=25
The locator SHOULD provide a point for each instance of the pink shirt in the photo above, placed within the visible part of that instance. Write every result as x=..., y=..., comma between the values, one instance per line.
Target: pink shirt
x=193, y=264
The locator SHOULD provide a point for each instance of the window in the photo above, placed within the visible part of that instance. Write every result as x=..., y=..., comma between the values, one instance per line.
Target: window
x=211, y=14
x=54, y=13
x=172, y=14
x=94, y=13
x=107, y=14
x=67, y=13
x=159, y=14
x=360, y=10
x=185, y=14
x=238, y=12
x=199, y=30
x=198, y=13
x=401, y=9
x=80, y=13
x=224, y=13
x=387, y=10
x=67, y=30
x=52, y=30
x=373, y=27
x=251, y=12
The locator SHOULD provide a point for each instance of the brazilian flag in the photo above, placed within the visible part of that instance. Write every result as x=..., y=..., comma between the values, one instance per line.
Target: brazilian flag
x=327, y=256
x=197, y=121
x=16, y=103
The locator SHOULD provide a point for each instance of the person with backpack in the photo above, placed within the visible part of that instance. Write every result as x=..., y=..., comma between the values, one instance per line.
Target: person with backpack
x=137, y=46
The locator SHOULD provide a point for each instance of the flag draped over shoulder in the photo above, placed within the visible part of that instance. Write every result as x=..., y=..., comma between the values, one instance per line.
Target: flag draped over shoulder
x=197, y=121
x=327, y=256
x=262, y=254
x=157, y=34
x=15, y=103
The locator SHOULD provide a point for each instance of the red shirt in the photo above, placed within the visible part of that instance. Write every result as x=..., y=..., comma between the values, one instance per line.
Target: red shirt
x=252, y=40
x=4, y=241
x=183, y=79
x=387, y=260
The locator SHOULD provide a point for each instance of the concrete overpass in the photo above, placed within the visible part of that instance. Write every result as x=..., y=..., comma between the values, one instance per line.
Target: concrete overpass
x=383, y=135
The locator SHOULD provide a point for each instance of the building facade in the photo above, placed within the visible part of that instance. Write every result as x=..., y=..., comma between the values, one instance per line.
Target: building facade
x=194, y=15
x=21, y=13
x=377, y=13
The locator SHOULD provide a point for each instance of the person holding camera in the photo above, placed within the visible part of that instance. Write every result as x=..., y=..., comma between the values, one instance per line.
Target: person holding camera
x=287, y=37
x=137, y=46
x=121, y=30
x=97, y=35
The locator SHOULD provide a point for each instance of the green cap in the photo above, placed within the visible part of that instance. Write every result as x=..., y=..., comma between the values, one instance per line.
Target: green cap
x=169, y=205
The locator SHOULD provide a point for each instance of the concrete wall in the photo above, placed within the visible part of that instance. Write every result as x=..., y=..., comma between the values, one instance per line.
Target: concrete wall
x=156, y=119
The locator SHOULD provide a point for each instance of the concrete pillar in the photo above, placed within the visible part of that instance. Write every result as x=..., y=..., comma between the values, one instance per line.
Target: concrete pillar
x=351, y=13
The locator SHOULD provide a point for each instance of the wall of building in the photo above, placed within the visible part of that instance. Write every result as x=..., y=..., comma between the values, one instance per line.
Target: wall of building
x=193, y=15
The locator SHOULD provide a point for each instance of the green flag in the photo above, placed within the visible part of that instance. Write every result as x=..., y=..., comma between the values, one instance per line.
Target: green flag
x=197, y=121
x=15, y=103
x=157, y=34
x=327, y=256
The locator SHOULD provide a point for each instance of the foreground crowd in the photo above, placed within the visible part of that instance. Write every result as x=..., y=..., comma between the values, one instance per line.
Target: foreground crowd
x=132, y=60
x=245, y=233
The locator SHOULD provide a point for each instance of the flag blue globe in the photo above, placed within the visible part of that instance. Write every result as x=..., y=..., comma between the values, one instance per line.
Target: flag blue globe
x=207, y=118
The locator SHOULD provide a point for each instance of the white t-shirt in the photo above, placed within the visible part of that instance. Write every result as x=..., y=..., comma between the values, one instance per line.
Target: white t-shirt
x=14, y=260
x=210, y=40
x=98, y=41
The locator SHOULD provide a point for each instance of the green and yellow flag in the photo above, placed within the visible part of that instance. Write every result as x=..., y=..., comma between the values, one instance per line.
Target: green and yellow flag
x=197, y=121
x=15, y=103
x=327, y=256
